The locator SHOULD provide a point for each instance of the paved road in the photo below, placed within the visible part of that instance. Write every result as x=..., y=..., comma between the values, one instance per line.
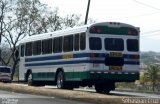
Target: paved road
x=117, y=93
x=129, y=94
x=17, y=98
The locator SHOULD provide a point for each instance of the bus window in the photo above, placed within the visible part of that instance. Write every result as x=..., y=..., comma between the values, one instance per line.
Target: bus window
x=132, y=45
x=47, y=46
x=37, y=48
x=95, y=43
x=22, y=50
x=57, y=48
x=68, y=43
x=76, y=42
x=28, y=50
x=114, y=44
x=82, y=41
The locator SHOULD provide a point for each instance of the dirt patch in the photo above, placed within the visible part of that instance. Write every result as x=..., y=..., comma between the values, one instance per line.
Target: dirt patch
x=67, y=94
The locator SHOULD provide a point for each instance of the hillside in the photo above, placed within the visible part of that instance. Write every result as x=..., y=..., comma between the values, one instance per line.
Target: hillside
x=150, y=57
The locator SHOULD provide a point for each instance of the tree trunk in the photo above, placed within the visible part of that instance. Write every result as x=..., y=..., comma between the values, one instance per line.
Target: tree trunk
x=153, y=86
x=14, y=68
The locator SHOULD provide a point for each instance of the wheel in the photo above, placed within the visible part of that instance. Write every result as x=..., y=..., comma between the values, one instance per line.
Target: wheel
x=60, y=80
x=29, y=79
x=98, y=88
x=101, y=88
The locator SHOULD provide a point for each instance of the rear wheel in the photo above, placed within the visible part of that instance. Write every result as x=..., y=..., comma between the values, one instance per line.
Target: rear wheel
x=104, y=88
x=98, y=88
x=61, y=83
x=60, y=80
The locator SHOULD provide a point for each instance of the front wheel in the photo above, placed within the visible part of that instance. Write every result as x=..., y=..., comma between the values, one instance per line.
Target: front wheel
x=29, y=79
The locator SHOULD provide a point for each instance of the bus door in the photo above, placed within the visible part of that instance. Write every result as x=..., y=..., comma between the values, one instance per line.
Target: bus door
x=22, y=61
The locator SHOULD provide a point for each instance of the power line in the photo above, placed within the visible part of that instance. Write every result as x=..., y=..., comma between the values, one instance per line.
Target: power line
x=151, y=32
x=147, y=5
x=135, y=16
x=150, y=35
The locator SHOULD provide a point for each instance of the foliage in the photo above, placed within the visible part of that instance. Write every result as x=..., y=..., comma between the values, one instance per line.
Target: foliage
x=152, y=75
x=21, y=18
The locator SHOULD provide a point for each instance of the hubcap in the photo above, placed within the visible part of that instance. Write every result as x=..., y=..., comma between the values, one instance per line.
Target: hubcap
x=30, y=78
x=60, y=80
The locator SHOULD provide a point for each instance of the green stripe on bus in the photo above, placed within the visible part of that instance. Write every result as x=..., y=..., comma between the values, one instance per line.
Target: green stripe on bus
x=44, y=76
x=79, y=76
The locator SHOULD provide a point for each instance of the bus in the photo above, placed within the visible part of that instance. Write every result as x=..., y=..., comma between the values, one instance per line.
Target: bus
x=5, y=74
x=98, y=55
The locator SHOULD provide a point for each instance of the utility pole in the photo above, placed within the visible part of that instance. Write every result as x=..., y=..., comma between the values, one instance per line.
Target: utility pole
x=87, y=12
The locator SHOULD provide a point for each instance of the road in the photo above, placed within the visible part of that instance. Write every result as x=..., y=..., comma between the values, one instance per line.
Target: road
x=125, y=93
x=117, y=93
x=18, y=98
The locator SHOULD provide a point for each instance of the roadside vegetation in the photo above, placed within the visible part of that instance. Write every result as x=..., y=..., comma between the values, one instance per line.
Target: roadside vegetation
x=149, y=81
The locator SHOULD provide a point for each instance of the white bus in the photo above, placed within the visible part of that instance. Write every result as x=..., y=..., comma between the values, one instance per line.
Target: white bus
x=94, y=55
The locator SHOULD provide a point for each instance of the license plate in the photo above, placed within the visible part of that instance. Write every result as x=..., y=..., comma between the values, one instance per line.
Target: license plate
x=115, y=67
x=115, y=54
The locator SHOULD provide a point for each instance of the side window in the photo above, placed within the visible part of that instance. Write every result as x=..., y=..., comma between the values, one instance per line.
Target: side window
x=57, y=45
x=95, y=43
x=47, y=46
x=22, y=50
x=76, y=42
x=82, y=41
x=68, y=43
x=28, y=50
x=37, y=48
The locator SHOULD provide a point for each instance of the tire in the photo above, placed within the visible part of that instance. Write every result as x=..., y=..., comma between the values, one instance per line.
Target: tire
x=33, y=83
x=100, y=88
x=29, y=79
x=60, y=80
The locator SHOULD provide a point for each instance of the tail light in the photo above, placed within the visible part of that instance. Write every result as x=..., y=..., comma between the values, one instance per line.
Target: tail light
x=134, y=57
x=94, y=55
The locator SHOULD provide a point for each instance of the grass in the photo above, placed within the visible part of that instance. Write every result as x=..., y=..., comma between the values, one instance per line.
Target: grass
x=67, y=94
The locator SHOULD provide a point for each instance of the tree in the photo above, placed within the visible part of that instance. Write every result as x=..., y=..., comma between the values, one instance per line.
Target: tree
x=4, y=8
x=29, y=17
x=152, y=75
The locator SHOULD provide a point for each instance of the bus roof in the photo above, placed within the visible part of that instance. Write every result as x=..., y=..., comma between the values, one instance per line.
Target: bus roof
x=55, y=34
x=74, y=31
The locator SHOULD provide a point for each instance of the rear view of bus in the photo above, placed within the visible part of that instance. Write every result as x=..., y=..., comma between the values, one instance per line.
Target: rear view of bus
x=114, y=54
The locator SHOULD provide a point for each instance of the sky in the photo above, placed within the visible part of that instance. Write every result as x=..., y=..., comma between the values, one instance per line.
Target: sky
x=140, y=13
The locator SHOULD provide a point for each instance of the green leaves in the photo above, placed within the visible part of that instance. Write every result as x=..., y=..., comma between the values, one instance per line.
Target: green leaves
x=152, y=75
